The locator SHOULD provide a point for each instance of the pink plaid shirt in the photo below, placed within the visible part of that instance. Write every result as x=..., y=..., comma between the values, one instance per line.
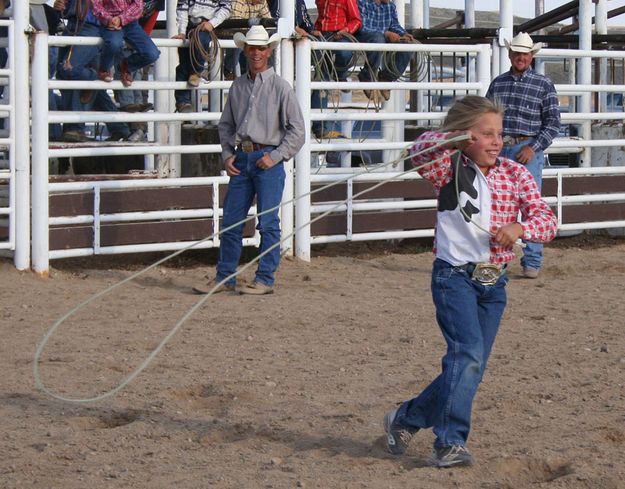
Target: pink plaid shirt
x=513, y=189
x=128, y=10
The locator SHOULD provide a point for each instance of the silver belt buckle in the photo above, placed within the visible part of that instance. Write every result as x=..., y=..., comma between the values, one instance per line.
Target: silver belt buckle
x=247, y=146
x=509, y=140
x=487, y=273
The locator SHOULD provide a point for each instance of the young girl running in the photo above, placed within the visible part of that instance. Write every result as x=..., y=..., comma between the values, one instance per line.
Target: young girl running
x=479, y=199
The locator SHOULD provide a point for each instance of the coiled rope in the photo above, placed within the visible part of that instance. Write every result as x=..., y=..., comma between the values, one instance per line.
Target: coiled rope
x=209, y=56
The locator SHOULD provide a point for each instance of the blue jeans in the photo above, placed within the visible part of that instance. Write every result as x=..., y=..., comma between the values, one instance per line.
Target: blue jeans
x=374, y=59
x=77, y=63
x=189, y=64
x=328, y=69
x=145, y=52
x=533, y=252
x=267, y=186
x=468, y=314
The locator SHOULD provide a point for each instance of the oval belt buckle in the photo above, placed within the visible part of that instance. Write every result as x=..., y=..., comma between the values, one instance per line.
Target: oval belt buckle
x=486, y=273
x=247, y=146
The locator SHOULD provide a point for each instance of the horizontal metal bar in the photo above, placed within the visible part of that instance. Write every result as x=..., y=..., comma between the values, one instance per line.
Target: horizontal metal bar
x=59, y=187
x=132, y=149
x=139, y=248
x=338, y=238
x=408, y=47
x=59, y=117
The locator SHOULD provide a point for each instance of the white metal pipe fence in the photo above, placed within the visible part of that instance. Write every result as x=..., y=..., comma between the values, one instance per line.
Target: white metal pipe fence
x=7, y=173
x=303, y=178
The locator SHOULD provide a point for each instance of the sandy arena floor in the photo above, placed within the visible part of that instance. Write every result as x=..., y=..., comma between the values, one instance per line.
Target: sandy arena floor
x=289, y=390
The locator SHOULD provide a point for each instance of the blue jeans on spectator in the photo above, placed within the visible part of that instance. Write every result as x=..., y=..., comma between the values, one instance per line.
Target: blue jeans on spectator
x=468, y=314
x=232, y=57
x=533, y=252
x=374, y=59
x=189, y=64
x=4, y=57
x=77, y=63
x=267, y=186
x=328, y=70
x=145, y=52
x=54, y=100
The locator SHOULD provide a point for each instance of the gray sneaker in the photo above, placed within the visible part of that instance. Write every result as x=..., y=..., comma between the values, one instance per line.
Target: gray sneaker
x=397, y=437
x=454, y=456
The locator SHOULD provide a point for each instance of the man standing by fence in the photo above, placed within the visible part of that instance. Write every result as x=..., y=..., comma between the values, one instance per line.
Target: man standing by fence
x=530, y=123
x=260, y=127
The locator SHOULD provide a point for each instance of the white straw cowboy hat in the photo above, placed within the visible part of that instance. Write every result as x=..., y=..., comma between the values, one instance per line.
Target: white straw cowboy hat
x=256, y=36
x=522, y=43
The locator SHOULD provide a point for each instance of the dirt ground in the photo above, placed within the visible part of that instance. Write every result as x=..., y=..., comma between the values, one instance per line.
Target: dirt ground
x=289, y=390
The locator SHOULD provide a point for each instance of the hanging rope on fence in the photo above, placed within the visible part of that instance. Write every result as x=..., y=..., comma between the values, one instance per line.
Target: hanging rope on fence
x=209, y=56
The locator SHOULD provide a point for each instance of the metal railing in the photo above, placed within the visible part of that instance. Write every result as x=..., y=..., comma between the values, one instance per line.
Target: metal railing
x=7, y=143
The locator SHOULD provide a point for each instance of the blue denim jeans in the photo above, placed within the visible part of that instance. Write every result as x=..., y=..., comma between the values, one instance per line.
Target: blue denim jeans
x=78, y=63
x=468, y=314
x=374, y=59
x=189, y=64
x=144, y=51
x=329, y=69
x=533, y=252
x=267, y=186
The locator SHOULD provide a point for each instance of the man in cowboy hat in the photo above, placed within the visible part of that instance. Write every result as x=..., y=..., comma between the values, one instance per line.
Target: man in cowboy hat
x=260, y=127
x=530, y=123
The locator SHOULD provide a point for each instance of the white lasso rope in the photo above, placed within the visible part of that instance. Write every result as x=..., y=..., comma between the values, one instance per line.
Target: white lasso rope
x=36, y=372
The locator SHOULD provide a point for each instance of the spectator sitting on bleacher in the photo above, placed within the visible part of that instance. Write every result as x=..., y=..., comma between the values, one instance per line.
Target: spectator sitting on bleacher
x=201, y=16
x=119, y=22
x=77, y=63
x=252, y=10
x=137, y=100
x=303, y=23
x=335, y=20
x=380, y=24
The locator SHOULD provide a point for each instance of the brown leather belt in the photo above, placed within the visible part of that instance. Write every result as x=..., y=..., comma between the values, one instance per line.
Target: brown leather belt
x=512, y=140
x=250, y=146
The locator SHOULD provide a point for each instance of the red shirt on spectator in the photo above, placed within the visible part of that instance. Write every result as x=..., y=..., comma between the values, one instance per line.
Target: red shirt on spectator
x=336, y=15
x=127, y=10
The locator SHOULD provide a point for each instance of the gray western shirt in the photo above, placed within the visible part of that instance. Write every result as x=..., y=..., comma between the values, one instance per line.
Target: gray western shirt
x=265, y=111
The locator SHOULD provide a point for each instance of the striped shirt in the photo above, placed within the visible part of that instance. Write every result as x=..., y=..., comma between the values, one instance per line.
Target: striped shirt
x=337, y=15
x=128, y=10
x=215, y=11
x=512, y=188
x=379, y=17
x=302, y=18
x=250, y=9
x=531, y=105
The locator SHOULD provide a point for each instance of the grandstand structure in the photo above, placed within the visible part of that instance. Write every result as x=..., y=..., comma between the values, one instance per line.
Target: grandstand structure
x=166, y=193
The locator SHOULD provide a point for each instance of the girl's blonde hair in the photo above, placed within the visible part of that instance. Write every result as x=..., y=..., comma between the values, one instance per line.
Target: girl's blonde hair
x=466, y=112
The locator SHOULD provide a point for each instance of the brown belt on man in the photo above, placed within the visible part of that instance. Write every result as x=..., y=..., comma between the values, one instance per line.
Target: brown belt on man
x=250, y=146
x=513, y=140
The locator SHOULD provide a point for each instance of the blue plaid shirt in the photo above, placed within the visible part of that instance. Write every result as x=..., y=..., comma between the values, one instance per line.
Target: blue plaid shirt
x=531, y=105
x=379, y=17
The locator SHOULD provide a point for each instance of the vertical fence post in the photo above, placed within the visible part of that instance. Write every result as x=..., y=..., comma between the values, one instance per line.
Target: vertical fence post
x=302, y=160
x=483, y=68
x=506, y=21
x=40, y=212
x=585, y=71
x=21, y=131
x=287, y=67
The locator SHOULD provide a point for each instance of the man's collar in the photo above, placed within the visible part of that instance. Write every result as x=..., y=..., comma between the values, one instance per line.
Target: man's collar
x=264, y=75
x=522, y=75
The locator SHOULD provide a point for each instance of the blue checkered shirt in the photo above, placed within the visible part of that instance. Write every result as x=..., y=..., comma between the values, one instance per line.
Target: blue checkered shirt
x=379, y=17
x=531, y=105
